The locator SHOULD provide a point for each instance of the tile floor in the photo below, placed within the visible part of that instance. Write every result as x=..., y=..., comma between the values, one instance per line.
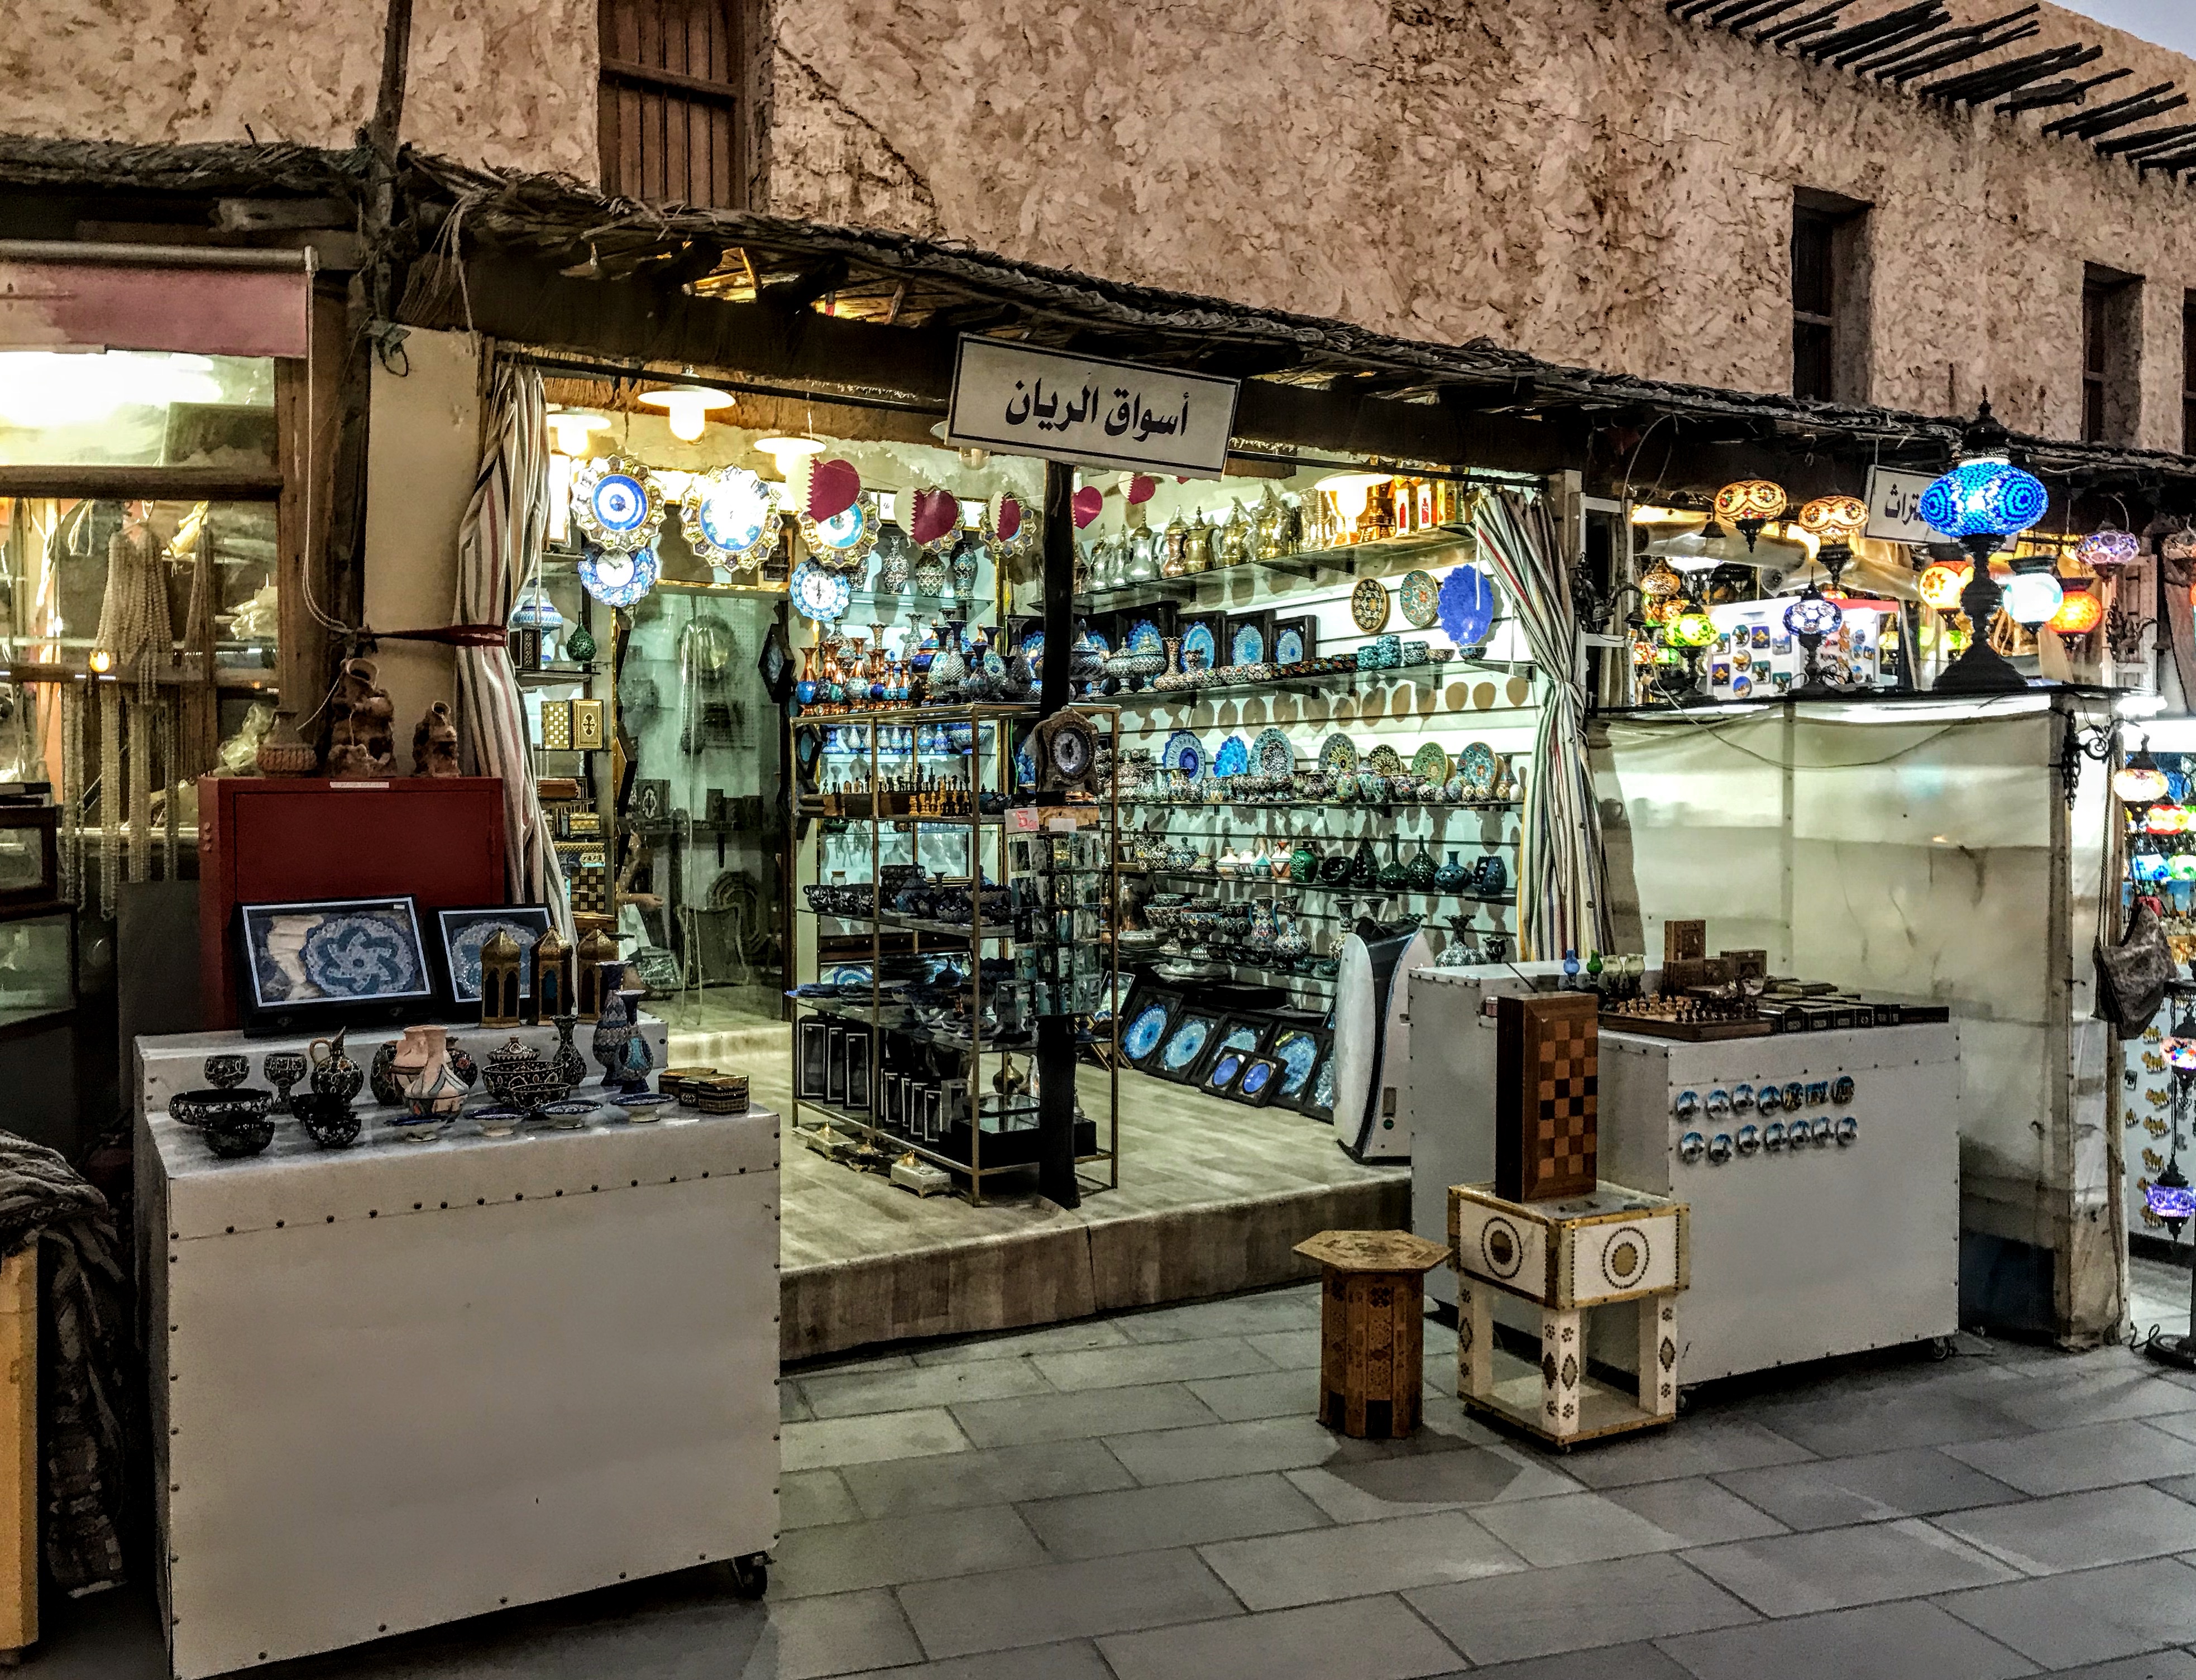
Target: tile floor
x=1146, y=1497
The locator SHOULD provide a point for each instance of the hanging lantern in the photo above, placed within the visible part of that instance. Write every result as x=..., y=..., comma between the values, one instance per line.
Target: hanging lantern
x=2170, y=1198
x=1658, y=582
x=2166, y=817
x=1941, y=584
x=2108, y=550
x=1749, y=504
x=2139, y=780
x=2033, y=598
x=2080, y=611
x=1835, y=519
x=1692, y=628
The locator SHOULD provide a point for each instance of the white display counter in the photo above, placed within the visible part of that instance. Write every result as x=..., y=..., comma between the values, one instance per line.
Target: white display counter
x=402, y=1383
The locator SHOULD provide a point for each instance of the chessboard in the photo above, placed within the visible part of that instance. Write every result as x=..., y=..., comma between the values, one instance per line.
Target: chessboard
x=1546, y=1093
x=1688, y=1020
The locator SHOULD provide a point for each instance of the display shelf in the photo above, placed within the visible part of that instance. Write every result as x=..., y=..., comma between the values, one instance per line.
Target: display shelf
x=553, y=674
x=1212, y=877
x=841, y=1009
x=906, y=924
x=1385, y=808
x=1322, y=681
x=1365, y=559
x=964, y=1166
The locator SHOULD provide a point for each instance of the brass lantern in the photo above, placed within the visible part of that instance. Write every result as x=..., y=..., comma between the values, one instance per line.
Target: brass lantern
x=552, y=975
x=500, y=962
x=596, y=950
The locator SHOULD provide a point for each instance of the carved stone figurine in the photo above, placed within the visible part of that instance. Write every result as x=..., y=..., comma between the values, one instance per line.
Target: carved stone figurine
x=435, y=743
x=362, y=743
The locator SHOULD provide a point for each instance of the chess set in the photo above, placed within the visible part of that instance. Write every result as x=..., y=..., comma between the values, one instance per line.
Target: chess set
x=1703, y=998
x=1547, y=1052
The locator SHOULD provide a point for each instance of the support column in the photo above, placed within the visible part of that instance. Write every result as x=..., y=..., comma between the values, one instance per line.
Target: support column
x=1055, y=1034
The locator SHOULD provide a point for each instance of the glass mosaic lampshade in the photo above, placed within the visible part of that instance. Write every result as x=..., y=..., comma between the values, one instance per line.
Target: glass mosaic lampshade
x=1979, y=503
x=2108, y=550
x=1983, y=498
x=2080, y=612
x=1749, y=504
x=1941, y=584
x=2033, y=598
x=2166, y=817
x=2139, y=780
x=1835, y=519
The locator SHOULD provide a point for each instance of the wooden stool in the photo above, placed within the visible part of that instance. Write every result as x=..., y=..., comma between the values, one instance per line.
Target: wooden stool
x=1371, y=1338
x=18, y=1453
x=1569, y=1257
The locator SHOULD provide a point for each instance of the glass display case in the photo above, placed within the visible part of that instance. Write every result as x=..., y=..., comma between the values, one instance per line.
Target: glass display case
x=37, y=968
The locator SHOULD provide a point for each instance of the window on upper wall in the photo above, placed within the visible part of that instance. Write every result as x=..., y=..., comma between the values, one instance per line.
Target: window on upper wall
x=1830, y=298
x=2112, y=354
x=673, y=108
x=2189, y=373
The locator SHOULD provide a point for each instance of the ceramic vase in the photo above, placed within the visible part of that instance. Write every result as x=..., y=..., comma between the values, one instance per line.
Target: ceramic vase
x=611, y=1032
x=282, y=1070
x=567, y=1062
x=334, y=1074
x=1422, y=869
x=1492, y=876
x=634, y=1057
x=1451, y=876
x=1365, y=867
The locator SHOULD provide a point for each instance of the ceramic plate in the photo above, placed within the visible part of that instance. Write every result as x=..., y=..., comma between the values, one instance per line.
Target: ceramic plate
x=1183, y=751
x=1141, y=1036
x=1033, y=650
x=728, y=517
x=466, y=954
x=1432, y=762
x=1337, y=756
x=619, y=578
x=1475, y=764
x=1187, y=1042
x=1273, y=754
x=1247, y=646
x=642, y=1099
x=1419, y=597
x=1144, y=637
x=1368, y=605
x=1233, y=759
x=1385, y=760
x=1297, y=1050
x=1197, y=649
x=819, y=594
x=1288, y=646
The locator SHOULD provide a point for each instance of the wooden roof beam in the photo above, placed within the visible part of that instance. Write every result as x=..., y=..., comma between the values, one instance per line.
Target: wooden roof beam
x=2102, y=124
x=2059, y=93
x=1960, y=54
x=2149, y=141
x=2067, y=126
x=1813, y=23
x=1991, y=80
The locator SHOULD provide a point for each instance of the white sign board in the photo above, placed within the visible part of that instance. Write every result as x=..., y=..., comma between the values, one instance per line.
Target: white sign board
x=1025, y=401
x=1894, y=501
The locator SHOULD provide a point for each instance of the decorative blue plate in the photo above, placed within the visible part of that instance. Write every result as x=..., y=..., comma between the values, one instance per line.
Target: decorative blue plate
x=1323, y=1089
x=1233, y=759
x=1025, y=767
x=819, y=594
x=1142, y=1036
x=1183, y=751
x=1288, y=646
x=842, y=533
x=1273, y=754
x=1144, y=637
x=1184, y=1047
x=1256, y=1077
x=1241, y=1038
x=465, y=959
x=360, y=956
x=728, y=516
x=1198, y=652
x=1467, y=606
x=1033, y=650
x=1224, y=1070
x=568, y=1106
x=1297, y=1050
x=1247, y=646
x=619, y=580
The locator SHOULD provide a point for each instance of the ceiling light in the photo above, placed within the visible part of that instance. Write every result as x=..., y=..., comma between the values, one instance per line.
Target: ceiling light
x=687, y=407
x=1351, y=491
x=783, y=450
x=569, y=428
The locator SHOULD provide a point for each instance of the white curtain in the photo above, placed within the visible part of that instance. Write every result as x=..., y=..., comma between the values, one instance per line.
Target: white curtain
x=1559, y=902
x=498, y=551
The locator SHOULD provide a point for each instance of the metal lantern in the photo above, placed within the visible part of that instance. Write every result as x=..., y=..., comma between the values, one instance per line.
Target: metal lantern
x=597, y=951
x=1835, y=519
x=552, y=975
x=500, y=960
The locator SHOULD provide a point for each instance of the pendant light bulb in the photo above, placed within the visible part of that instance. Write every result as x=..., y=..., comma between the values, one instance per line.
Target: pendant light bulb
x=568, y=429
x=686, y=408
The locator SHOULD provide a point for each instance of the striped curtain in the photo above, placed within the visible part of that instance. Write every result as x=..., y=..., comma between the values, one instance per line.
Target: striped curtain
x=498, y=553
x=1560, y=902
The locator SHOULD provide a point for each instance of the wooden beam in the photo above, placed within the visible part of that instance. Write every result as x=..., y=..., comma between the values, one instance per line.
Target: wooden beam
x=153, y=483
x=2149, y=141
x=805, y=288
x=1811, y=23
x=2068, y=125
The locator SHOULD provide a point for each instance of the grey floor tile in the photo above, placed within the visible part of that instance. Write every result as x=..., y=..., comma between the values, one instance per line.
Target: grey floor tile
x=2080, y=1530
x=1182, y=1514
x=791, y=1407
x=1912, y=1413
x=2180, y=1486
x=1698, y=1446
x=1574, y=1528
x=1290, y=1349
x=2156, y=1666
x=1077, y=1660
x=2062, y=1620
x=1070, y=1338
x=862, y=1392
x=1834, y=1568
x=849, y=1556
x=1064, y=1601
x=2130, y=1391
x=985, y=1475
x=1697, y=1511
x=1160, y=1362
x=858, y=1362
x=829, y=1443
x=2181, y=1426
x=1364, y=1492
x=1366, y=1638
x=1545, y=1611
x=1225, y=1449
x=839, y=1634
x=1874, y=1487
x=1360, y=1558
x=2095, y=1455
x=1088, y=1414
x=808, y=1499
x=1881, y=1641
x=1265, y=1394
x=1611, y=1662
x=1237, y=1315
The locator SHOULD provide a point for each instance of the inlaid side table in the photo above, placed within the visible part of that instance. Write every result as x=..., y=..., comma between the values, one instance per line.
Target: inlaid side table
x=1371, y=1337
x=1569, y=1257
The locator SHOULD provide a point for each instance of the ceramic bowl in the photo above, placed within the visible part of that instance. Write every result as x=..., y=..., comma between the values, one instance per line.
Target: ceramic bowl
x=330, y=1121
x=224, y=1071
x=207, y=1108
x=233, y=1136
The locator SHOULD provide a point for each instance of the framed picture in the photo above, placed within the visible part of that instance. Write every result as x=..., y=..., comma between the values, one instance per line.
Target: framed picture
x=834, y=1065
x=858, y=1069
x=1183, y=1048
x=1258, y=1082
x=1204, y=639
x=1146, y=1022
x=1244, y=1035
x=1316, y=1100
x=464, y=932
x=1249, y=638
x=1222, y=1069
x=815, y=1058
x=1298, y=1050
x=1295, y=639
x=330, y=963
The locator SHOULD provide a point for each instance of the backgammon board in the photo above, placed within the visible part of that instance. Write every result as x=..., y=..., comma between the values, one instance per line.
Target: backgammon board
x=1545, y=1089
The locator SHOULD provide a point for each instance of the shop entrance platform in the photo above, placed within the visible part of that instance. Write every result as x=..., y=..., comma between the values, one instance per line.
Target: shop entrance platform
x=1214, y=1199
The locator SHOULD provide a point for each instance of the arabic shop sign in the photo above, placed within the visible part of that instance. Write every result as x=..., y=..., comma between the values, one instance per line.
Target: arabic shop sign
x=1894, y=503
x=1030, y=401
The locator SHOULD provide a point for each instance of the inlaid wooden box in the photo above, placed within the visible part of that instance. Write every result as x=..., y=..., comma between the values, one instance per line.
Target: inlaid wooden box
x=1546, y=1052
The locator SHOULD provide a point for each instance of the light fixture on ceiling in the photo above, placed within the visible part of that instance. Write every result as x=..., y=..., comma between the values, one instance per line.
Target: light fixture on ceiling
x=686, y=408
x=569, y=428
x=789, y=452
x=1351, y=491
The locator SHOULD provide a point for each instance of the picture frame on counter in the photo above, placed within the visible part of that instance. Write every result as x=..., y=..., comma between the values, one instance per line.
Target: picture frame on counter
x=317, y=965
x=462, y=933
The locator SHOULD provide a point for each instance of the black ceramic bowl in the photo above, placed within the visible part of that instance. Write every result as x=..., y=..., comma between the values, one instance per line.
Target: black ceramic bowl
x=330, y=1121
x=226, y=1070
x=240, y=1135
x=207, y=1108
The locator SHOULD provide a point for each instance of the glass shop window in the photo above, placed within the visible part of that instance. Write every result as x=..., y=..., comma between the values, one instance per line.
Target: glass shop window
x=136, y=408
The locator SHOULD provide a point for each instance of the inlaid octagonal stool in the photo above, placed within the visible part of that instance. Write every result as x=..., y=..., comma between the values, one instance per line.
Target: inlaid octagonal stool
x=1372, y=1329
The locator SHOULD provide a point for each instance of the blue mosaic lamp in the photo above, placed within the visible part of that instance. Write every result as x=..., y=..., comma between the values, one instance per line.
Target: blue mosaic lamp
x=1979, y=504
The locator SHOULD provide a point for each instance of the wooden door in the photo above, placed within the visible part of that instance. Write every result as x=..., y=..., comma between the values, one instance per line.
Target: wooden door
x=673, y=105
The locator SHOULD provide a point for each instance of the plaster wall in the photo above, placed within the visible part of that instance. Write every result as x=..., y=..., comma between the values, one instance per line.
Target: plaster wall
x=504, y=82
x=1586, y=179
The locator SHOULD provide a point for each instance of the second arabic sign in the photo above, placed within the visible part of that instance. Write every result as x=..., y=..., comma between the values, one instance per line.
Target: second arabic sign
x=1030, y=401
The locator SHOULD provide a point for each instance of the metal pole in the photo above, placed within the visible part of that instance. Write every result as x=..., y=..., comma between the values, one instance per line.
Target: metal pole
x=1056, y=1033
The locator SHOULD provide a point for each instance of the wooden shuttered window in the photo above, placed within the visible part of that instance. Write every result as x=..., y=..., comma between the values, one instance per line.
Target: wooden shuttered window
x=674, y=100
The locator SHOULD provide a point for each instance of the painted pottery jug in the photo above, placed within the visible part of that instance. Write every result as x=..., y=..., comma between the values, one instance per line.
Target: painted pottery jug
x=635, y=1058
x=567, y=1063
x=334, y=1073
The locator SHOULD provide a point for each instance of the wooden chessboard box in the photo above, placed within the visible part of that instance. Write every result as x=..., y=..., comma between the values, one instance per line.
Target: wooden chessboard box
x=1547, y=1085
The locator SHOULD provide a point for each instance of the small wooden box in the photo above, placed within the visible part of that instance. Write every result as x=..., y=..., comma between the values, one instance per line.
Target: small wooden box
x=1684, y=941
x=1546, y=1084
x=587, y=725
x=555, y=725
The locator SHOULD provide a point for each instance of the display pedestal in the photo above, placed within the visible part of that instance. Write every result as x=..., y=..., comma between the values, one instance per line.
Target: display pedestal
x=1569, y=1257
x=399, y=1384
x=1371, y=1337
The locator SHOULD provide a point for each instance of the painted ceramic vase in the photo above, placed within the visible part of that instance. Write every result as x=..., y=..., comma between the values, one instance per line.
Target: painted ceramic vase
x=567, y=1062
x=514, y=1065
x=1423, y=870
x=1365, y=867
x=334, y=1074
x=283, y=1069
x=634, y=1058
x=1492, y=875
x=1451, y=876
x=611, y=1032
x=1303, y=863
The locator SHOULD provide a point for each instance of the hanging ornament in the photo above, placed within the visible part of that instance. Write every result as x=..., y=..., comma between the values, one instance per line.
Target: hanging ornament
x=617, y=504
x=1088, y=503
x=834, y=486
x=618, y=577
x=935, y=516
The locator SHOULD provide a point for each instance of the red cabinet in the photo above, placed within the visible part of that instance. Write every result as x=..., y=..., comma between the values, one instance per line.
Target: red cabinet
x=278, y=840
